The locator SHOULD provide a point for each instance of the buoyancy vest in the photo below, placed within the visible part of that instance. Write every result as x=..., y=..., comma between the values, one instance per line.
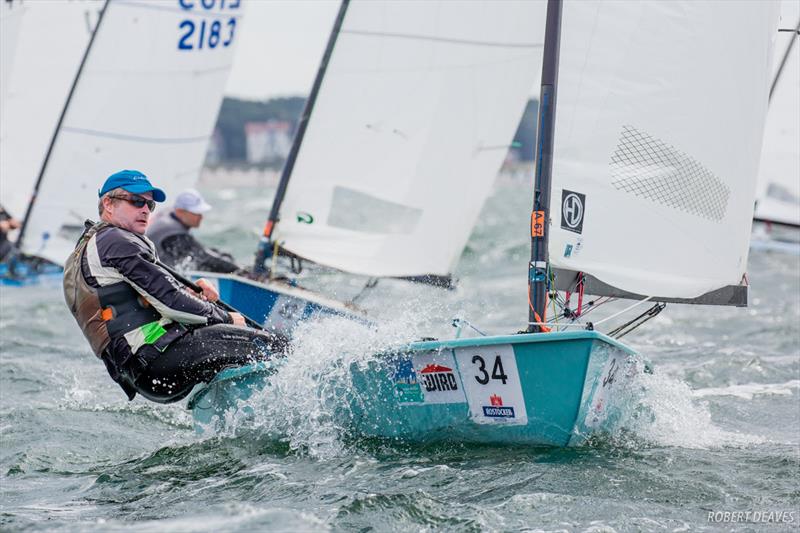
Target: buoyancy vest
x=162, y=228
x=102, y=312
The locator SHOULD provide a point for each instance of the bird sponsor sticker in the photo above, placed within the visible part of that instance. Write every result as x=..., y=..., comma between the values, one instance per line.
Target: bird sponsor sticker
x=428, y=377
x=492, y=384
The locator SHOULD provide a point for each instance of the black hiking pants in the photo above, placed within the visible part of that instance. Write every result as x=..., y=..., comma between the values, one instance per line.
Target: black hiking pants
x=198, y=356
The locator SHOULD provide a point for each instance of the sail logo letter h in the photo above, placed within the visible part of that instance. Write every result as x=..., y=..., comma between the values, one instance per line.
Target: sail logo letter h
x=573, y=207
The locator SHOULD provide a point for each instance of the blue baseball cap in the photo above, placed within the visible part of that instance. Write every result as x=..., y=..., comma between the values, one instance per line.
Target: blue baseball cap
x=132, y=181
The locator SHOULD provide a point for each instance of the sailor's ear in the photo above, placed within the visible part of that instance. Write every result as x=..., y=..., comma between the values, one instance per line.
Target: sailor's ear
x=107, y=202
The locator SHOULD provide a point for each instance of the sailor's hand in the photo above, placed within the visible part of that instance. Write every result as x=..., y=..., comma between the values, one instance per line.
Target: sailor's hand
x=209, y=291
x=238, y=320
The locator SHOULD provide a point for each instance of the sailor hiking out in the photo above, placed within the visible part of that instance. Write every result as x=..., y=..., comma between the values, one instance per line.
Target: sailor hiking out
x=156, y=337
x=7, y=223
x=177, y=247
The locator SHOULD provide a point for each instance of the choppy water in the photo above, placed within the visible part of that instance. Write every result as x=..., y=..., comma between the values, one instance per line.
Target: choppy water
x=715, y=429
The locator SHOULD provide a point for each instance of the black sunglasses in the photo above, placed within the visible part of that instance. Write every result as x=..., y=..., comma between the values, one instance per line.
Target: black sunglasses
x=138, y=201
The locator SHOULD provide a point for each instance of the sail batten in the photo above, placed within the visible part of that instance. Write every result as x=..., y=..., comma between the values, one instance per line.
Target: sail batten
x=442, y=39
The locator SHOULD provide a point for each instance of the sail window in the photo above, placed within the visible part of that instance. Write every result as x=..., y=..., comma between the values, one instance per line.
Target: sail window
x=358, y=211
x=652, y=169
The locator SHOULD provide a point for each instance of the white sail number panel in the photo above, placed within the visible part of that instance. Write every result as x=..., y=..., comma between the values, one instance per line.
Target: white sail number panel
x=491, y=384
x=486, y=378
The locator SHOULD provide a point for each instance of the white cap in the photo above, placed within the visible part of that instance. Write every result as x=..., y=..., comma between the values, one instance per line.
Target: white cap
x=191, y=200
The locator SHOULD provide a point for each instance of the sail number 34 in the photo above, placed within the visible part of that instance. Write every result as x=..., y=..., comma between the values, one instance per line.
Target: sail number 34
x=497, y=370
x=200, y=34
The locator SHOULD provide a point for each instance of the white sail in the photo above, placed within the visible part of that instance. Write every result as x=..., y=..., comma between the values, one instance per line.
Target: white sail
x=147, y=99
x=779, y=174
x=50, y=41
x=414, y=117
x=658, y=133
x=10, y=22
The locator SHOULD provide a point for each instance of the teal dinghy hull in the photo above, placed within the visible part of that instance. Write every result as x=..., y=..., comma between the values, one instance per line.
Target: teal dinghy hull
x=552, y=389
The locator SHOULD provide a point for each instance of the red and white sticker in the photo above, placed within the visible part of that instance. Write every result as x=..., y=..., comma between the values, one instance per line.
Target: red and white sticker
x=492, y=385
x=438, y=377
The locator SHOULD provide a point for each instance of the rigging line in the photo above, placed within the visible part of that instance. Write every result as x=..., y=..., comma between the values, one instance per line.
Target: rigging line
x=591, y=306
x=135, y=138
x=634, y=323
x=461, y=322
x=470, y=42
x=640, y=302
x=786, y=55
x=371, y=283
x=46, y=160
x=572, y=325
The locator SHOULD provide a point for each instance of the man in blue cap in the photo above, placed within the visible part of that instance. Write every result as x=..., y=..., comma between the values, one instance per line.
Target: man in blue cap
x=156, y=337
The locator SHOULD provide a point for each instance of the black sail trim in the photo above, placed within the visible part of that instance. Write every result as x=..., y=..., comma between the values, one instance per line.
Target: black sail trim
x=733, y=295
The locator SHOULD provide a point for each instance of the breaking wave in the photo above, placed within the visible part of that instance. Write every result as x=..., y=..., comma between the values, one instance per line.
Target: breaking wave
x=656, y=409
x=306, y=402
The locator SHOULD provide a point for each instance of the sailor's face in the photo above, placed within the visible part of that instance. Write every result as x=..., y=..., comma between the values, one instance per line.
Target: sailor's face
x=125, y=214
x=193, y=219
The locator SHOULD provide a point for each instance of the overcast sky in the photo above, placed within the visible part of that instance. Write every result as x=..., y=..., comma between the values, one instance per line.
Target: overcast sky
x=280, y=46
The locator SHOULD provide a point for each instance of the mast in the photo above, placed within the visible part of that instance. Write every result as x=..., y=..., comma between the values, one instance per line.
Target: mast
x=263, y=250
x=537, y=268
x=57, y=129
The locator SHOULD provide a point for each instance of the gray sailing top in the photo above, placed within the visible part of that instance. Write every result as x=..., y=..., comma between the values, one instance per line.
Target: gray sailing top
x=178, y=248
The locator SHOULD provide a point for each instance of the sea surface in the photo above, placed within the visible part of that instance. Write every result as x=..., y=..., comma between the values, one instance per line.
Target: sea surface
x=715, y=429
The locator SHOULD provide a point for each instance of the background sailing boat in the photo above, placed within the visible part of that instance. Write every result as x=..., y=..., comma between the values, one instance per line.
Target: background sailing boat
x=37, y=76
x=778, y=198
x=408, y=123
x=143, y=95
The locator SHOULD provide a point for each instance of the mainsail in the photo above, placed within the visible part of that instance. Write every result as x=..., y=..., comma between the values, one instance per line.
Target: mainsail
x=42, y=45
x=147, y=98
x=10, y=22
x=410, y=126
x=779, y=175
x=658, y=134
